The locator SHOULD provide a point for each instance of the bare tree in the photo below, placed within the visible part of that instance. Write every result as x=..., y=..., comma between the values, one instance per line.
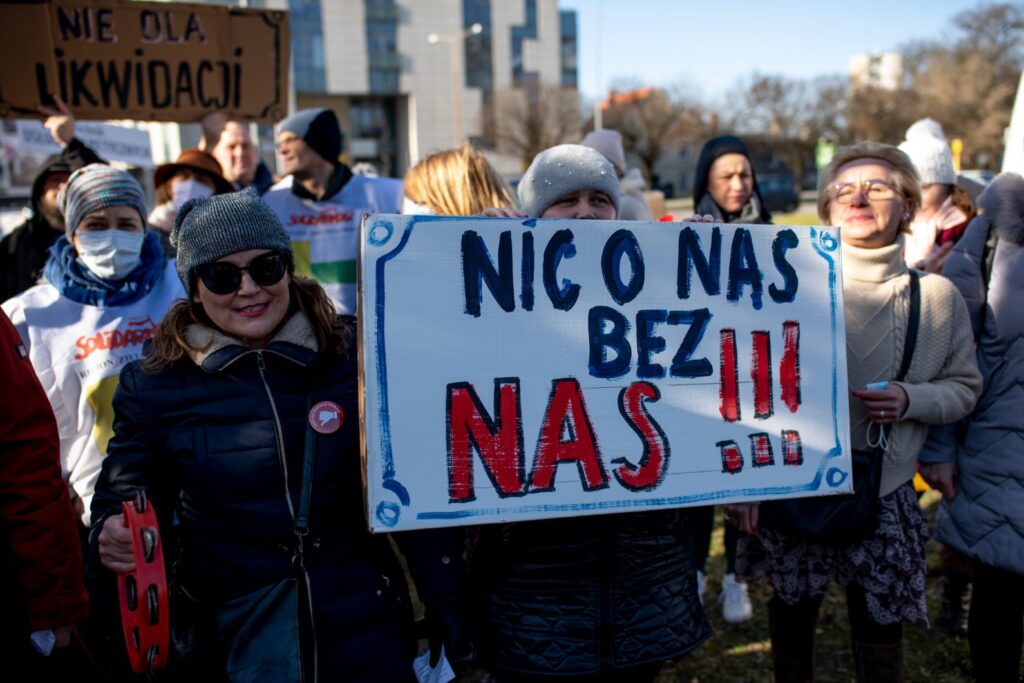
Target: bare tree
x=997, y=31
x=881, y=114
x=652, y=122
x=529, y=120
x=826, y=114
x=766, y=104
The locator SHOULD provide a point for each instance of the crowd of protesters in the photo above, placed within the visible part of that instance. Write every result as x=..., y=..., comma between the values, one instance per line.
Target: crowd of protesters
x=176, y=350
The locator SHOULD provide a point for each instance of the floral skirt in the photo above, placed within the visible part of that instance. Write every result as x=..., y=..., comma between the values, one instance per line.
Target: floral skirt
x=889, y=564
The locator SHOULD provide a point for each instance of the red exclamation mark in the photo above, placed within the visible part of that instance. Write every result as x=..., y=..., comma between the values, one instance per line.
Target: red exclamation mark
x=728, y=382
x=732, y=458
x=792, y=451
x=761, y=450
x=761, y=373
x=789, y=366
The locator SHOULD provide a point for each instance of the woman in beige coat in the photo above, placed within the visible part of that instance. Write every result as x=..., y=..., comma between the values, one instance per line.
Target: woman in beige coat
x=871, y=190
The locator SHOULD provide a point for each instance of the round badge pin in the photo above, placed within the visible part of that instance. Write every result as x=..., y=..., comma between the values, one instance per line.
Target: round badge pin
x=326, y=417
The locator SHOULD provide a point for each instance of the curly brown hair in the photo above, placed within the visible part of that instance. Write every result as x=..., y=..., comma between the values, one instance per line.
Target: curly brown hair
x=169, y=344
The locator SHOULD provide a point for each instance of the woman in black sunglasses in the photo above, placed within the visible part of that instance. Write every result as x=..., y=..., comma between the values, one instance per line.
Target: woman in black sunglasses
x=242, y=419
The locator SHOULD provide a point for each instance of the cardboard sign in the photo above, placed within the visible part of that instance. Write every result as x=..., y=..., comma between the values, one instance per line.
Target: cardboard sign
x=149, y=61
x=525, y=369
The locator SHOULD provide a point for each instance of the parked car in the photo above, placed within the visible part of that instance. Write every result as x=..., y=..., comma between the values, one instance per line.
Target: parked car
x=778, y=192
x=979, y=175
x=974, y=181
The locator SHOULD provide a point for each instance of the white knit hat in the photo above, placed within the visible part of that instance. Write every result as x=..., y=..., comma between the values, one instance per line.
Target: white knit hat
x=561, y=170
x=928, y=150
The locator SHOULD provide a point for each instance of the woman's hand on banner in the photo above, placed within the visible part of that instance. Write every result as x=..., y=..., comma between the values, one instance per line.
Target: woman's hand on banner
x=502, y=213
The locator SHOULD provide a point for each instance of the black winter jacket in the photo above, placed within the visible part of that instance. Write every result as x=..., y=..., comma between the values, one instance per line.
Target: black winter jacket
x=588, y=594
x=219, y=438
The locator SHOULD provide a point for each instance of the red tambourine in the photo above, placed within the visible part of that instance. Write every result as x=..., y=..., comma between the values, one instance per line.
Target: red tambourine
x=145, y=614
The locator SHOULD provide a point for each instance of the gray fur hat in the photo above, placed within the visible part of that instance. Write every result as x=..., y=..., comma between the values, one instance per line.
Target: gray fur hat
x=562, y=170
x=210, y=228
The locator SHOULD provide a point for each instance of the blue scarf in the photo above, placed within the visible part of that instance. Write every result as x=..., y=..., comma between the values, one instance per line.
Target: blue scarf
x=73, y=280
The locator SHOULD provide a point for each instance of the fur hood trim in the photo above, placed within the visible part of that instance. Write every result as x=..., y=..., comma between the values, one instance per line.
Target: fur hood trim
x=1003, y=203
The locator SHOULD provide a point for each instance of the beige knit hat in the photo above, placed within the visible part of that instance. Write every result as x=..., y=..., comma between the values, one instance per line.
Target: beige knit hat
x=609, y=143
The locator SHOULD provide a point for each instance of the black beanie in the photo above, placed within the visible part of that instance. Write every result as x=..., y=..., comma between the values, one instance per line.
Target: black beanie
x=714, y=148
x=319, y=129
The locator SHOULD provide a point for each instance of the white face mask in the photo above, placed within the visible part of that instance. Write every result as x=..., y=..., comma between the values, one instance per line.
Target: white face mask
x=184, y=190
x=110, y=254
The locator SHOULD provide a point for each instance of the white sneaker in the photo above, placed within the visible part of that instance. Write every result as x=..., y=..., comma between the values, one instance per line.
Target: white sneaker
x=735, y=600
x=702, y=585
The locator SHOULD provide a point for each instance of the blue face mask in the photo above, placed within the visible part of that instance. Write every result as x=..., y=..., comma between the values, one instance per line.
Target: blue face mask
x=110, y=254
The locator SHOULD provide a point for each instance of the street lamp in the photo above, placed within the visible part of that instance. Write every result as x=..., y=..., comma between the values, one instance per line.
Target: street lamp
x=454, y=41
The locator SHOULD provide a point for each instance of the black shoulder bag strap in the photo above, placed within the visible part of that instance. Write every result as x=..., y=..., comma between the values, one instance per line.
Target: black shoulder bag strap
x=913, y=323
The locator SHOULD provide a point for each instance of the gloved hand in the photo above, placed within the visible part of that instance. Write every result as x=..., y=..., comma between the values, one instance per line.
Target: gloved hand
x=447, y=620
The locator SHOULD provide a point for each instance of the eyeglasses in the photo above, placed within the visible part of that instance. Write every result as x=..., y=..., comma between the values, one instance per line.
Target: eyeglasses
x=874, y=190
x=221, y=277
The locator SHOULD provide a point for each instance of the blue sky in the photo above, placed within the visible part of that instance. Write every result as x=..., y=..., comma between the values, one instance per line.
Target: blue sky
x=711, y=43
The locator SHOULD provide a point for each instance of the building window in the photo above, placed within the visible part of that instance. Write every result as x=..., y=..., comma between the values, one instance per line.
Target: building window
x=477, y=57
x=567, y=20
x=307, y=45
x=520, y=76
x=384, y=61
x=373, y=122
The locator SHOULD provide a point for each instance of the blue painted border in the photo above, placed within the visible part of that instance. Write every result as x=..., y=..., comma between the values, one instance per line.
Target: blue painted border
x=825, y=244
x=387, y=512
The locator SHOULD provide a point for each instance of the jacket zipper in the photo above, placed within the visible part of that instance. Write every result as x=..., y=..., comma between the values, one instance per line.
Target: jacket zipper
x=279, y=434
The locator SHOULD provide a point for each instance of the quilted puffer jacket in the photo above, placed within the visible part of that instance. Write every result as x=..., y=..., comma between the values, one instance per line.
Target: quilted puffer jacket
x=588, y=594
x=219, y=439
x=986, y=518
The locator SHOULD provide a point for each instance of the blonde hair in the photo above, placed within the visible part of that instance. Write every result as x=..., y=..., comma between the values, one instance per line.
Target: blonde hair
x=169, y=345
x=457, y=182
x=904, y=177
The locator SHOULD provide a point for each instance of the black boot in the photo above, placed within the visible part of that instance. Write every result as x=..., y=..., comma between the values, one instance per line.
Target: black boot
x=791, y=628
x=956, y=602
x=878, y=663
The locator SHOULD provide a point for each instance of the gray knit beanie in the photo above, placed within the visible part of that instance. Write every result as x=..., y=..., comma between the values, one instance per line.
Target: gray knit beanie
x=209, y=228
x=562, y=170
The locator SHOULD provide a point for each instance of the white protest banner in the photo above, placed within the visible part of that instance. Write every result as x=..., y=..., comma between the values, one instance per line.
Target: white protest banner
x=519, y=369
x=114, y=143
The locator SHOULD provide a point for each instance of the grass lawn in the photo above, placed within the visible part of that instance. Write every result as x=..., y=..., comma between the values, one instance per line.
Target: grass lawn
x=742, y=654
x=796, y=219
